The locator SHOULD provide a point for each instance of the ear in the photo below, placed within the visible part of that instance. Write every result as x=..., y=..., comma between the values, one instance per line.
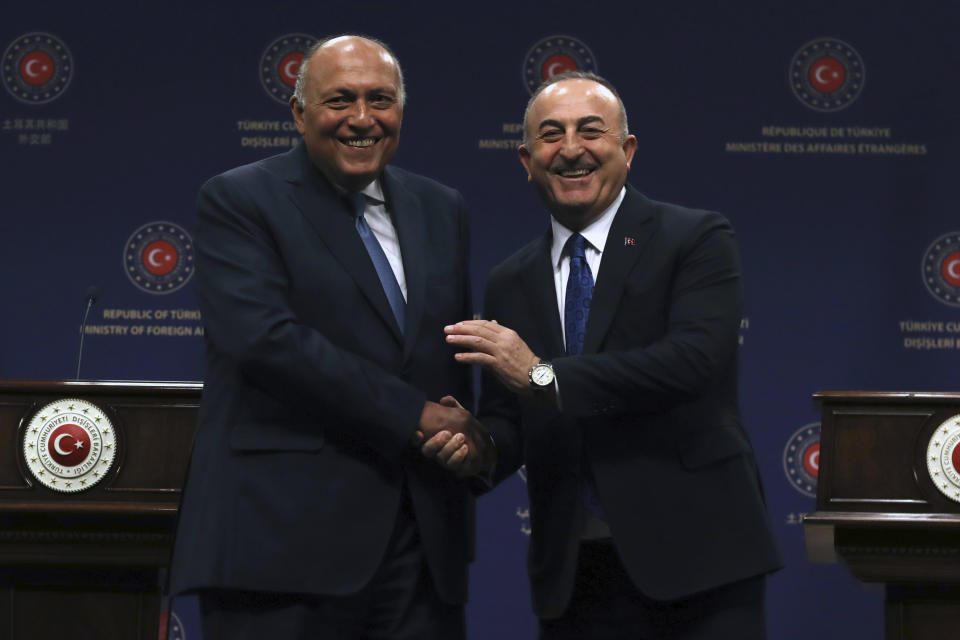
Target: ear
x=629, y=148
x=297, y=109
x=524, y=155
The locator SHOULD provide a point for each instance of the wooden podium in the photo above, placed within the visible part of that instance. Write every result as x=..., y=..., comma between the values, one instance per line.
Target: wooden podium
x=87, y=515
x=888, y=503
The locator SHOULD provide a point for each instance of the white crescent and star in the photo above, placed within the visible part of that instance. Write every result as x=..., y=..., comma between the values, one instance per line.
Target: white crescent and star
x=814, y=459
x=56, y=444
x=152, y=259
x=552, y=69
x=28, y=68
x=821, y=69
x=291, y=68
x=953, y=268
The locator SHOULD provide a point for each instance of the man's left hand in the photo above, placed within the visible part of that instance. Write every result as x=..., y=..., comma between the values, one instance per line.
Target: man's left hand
x=497, y=348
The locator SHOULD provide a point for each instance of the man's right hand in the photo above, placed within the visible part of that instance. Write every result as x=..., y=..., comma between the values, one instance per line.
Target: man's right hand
x=452, y=437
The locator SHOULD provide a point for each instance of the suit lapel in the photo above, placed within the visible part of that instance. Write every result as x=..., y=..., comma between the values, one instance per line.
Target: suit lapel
x=411, y=224
x=331, y=217
x=541, y=293
x=629, y=235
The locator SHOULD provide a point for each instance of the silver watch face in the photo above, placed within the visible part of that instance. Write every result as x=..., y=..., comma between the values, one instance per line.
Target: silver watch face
x=541, y=375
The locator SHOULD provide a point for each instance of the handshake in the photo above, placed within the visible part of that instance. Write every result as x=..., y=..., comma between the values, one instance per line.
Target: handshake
x=456, y=440
x=448, y=433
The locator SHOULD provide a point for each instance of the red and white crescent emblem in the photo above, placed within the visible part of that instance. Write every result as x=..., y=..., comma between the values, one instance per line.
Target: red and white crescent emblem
x=950, y=268
x=280, y=64
x=559, y=63
x=801, y=459
x=69, y=445
x=943, y=458
x=827, y=74
x=554, y=55
x=289, y=67
x=941, y=268
x=36, y=68
x=159, y=257
x=811, y=460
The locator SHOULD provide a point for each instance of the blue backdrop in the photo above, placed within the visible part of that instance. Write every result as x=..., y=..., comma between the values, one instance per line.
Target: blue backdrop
x=825, y=131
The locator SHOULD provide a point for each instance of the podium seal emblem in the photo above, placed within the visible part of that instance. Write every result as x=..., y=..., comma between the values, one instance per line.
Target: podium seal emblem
x=69, y=445
x=943, y=458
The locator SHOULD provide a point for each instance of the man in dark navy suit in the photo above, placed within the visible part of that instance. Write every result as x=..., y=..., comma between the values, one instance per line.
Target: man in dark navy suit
x=325, y=278
x=610, y=363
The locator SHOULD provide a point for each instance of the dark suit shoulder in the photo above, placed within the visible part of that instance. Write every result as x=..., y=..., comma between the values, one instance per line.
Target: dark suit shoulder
x=675, y=218
x=406, y=191
x=421, y=184
x=276, y=167
x=517, y=263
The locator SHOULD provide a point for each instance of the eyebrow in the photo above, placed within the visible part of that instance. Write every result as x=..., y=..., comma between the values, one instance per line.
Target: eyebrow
x=582, y=121
x=352, y=92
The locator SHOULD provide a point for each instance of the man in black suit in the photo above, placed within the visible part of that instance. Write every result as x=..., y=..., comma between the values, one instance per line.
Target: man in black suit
x=325, y=278
x=610, y=370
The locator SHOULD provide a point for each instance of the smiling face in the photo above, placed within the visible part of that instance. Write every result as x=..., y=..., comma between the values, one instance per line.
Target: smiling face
x=577, y=155
x=351, y=112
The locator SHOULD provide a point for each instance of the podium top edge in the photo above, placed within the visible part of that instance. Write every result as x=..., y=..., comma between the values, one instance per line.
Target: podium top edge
x=891, y=396
x=881, y=520
x=100, y=386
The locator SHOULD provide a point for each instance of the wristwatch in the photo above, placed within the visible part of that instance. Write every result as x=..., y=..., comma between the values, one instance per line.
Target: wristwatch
x=541, y=376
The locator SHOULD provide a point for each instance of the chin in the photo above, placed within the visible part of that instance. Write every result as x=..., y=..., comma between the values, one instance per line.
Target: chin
x=575, y=205
x=357, y=173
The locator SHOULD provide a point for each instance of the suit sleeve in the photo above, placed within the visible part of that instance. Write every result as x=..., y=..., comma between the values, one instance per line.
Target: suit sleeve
x=242, y=286
x=703, y=313
x=500, y=410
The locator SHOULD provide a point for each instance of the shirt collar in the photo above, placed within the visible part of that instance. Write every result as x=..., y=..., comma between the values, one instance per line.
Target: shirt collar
x=373, y=192
x=595, y=233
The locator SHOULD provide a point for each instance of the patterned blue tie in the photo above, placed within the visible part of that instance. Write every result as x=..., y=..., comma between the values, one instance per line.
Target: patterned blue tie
x=576, y=310
x=576, y=306
x=387, y=278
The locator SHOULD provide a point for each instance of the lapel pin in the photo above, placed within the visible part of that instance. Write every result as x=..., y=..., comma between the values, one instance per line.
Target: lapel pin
x=628, y=241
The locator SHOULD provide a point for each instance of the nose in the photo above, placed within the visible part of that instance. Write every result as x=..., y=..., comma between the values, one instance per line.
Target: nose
x=571, y=146
x=362, y=117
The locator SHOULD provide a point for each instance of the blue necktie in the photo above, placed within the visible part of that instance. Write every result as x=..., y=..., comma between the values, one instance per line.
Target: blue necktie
x=387, y=278
x=576, y=306
x=576, y=310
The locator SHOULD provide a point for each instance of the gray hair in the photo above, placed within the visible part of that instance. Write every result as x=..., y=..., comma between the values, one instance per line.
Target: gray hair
x=576, y=75
x=302, y=73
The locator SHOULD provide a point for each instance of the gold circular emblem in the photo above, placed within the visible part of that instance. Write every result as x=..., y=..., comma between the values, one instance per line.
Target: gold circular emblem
x=69, y=445
x=943, y=458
